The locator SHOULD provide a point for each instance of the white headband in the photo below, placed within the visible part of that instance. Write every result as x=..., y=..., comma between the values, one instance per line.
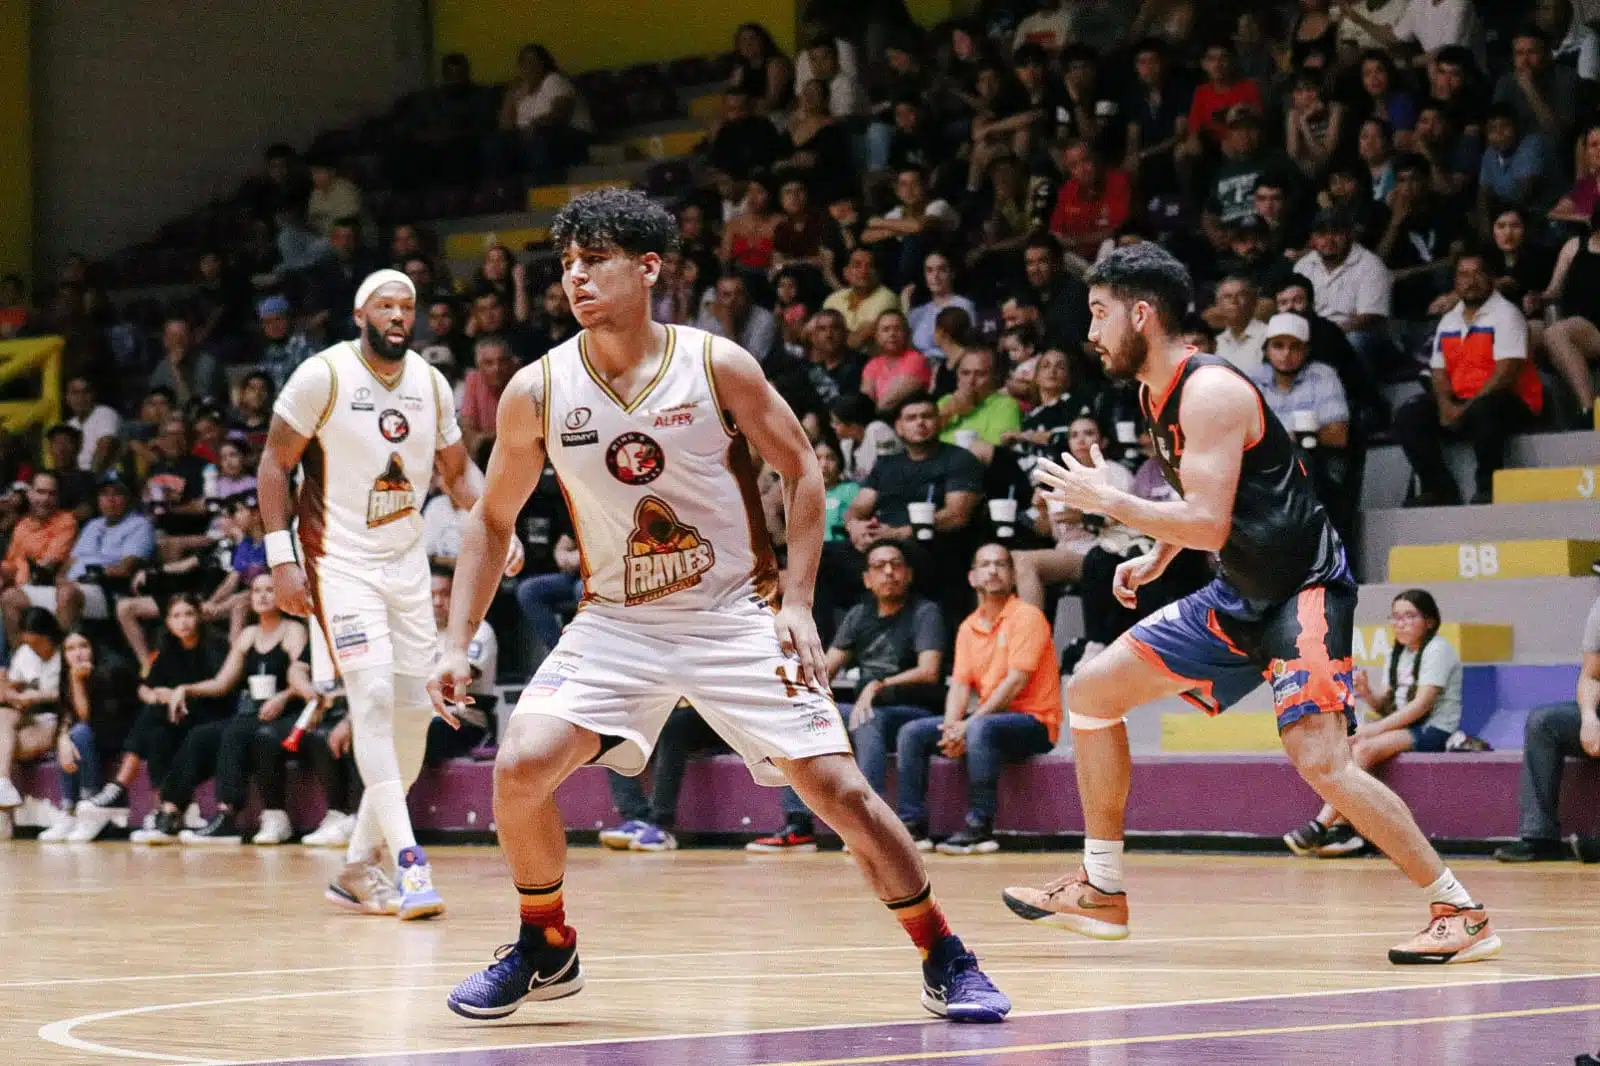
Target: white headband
x=379, y=278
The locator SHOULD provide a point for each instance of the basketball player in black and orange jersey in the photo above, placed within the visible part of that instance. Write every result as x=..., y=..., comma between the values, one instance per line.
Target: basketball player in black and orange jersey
x=1282, y=608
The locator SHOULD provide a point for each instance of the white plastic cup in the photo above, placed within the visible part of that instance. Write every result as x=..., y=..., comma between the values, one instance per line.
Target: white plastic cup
x=263, y=687
x=921, y=519
x=1003, y=513
x=1127, y=433
x=966, y=438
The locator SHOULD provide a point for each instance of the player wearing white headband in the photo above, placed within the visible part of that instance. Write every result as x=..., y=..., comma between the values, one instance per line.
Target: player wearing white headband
x=365, y=421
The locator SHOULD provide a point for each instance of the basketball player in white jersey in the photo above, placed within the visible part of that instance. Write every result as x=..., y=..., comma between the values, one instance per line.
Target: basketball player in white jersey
x=650, y=430
x=365, y=421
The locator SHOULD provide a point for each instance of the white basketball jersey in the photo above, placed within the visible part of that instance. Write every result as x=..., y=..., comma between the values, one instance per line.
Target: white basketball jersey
x=662, y=490
x=370, y=456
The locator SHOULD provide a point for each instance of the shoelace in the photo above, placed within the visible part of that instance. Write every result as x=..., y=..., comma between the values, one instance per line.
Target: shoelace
x=1055, y=888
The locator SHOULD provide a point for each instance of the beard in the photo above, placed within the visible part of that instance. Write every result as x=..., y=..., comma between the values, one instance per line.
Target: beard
x=382, y=348
x=1126, y=364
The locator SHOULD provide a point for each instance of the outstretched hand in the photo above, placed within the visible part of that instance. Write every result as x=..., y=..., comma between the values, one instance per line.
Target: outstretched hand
x=1079, y=486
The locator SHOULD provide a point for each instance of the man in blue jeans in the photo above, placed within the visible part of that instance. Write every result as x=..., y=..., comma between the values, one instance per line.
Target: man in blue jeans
x=1004, y=705
x=542, y=597
x=897, y=640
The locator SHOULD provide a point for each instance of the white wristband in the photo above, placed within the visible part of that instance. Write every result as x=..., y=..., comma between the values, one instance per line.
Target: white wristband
x=280, y=547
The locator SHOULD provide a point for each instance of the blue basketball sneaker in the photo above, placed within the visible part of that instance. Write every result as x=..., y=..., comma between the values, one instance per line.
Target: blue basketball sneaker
x=654, y=838
x=519, y=975
x=418, y=898
x=953, y=987
x=619, y=837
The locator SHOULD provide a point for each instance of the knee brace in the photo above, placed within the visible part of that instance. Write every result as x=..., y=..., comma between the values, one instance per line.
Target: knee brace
x=1088, y=723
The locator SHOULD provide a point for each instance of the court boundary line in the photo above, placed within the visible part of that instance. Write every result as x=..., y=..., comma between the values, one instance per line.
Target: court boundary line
x=60, y=1032
x=1189, y=1037
x=1248, y=938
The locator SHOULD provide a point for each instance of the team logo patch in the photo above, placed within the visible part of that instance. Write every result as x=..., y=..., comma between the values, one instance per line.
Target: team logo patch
x=664, y=555
x=361, y=400
x=411, y=403
x=577, y=418
x=635, y=459
x=394, y=426
x=392, y=496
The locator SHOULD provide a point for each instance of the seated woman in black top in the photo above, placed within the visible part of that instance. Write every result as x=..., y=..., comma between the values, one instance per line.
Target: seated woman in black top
x=184, y=656
x=96, y=712
x=263, y=673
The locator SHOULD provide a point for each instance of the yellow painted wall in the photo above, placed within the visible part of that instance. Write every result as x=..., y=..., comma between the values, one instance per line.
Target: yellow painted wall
x=16, y=141
x=585, y=37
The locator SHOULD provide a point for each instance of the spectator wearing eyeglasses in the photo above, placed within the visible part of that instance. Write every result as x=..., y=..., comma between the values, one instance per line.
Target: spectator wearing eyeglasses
x=896, y=640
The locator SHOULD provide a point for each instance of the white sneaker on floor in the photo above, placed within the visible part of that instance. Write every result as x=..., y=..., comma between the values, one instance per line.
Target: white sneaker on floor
x=334, y=832
x=275, y=829
x=55, y=822
x=35, y=812
x=193, y=819
x=92, y=821
x=9, y=796
x=61, y=831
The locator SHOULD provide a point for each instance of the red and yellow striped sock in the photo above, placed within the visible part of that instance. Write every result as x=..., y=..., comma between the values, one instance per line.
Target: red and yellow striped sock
x=544, y=916
x=922, y=918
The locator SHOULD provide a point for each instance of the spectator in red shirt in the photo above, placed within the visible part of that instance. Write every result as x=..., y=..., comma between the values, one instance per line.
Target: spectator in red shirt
x=1093, y=204
x=1223, y=91
x=480, y=395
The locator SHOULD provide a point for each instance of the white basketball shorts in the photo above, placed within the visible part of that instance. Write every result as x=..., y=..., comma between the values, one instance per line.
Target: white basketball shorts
x=373, y=616
x=621, y=678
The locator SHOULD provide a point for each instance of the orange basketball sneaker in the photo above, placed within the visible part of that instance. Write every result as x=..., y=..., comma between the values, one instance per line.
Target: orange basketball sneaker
x=1455, y=934
x=1074, y=904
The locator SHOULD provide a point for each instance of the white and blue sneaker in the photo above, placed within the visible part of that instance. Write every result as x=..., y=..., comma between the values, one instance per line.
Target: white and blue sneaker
x=519, y=975
x=418, y=899
x=654, y=838
x=954, y=988
x=621, y=837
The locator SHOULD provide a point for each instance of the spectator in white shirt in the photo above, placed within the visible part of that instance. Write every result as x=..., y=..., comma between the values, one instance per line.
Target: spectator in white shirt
x=1485, y=388
x=1353, y=291
x=98, y=423
x=1575, y=43
x=1385, y=13
x=1243, y=338
x=824, y=62
x=1049, y=28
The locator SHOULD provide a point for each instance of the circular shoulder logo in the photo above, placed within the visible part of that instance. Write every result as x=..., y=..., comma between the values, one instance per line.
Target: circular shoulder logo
x=393, y=425
x=635, y=459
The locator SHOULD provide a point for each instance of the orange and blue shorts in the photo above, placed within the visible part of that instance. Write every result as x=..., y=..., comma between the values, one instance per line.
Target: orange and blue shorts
x=1226, y=646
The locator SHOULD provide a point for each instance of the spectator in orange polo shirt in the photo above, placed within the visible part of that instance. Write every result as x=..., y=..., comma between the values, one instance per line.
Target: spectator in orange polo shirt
x=40, y=544
x=1006, y=661
x=1485, y=388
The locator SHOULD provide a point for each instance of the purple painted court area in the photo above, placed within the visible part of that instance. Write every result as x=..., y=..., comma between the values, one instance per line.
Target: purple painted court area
x=1347, y=1029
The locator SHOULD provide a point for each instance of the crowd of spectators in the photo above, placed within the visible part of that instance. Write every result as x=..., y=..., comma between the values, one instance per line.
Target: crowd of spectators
x=1389, y=208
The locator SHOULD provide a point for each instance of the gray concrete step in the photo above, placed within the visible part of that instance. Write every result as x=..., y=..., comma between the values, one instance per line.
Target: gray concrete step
x=1388, y=474
x=1546, y=614
x=1383, y=528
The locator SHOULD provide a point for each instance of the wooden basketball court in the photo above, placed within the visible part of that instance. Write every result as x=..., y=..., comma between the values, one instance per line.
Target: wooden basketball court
x=121, y=954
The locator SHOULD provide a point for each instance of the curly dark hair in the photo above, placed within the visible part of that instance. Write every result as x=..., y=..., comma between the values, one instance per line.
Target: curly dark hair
x=615, y=218
x=1146, y=271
